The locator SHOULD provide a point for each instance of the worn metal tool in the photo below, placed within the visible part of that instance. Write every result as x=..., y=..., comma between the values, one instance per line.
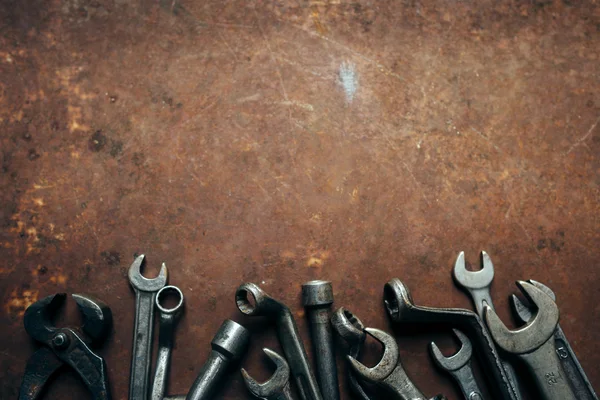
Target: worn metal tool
x=66, y=346
x=401, y=308
x=143, y=331
x=317, y=297
x=388, y=373
x=459, y=366
x=168, y=318
x=351, y=329
x=478, y=283
x=228, y=346
x=533, y=343
x=277, y=387
x=265, y=305
x=574, y=371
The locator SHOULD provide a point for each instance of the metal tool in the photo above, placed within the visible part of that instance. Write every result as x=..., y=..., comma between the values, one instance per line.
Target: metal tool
x=66, y=346
x=229, y=345
x=141, y=357
x=265, y=305
x=388, y=373
x=351, y=329
x=168, y=318
x=533, y=343
x=459, y=366
x=277, y=387
x=317, y=297
x=478, y=283
x=574, y=371
x=401, y=308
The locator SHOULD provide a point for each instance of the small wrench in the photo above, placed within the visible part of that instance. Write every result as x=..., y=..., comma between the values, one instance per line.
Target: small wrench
x=459, y=366
x=287, y=331
x=168, y=319
x=388, y=373
x=277, y=387
x=141, y=358
x=401, y=308
x=533, y=343
x=478, y=283
x=574, y=371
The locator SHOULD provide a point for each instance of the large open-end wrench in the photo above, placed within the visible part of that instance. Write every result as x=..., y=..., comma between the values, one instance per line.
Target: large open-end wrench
x=141, y=358
x=574, y=371
x=534, y=343
x=459, y=366
x=389, y=373
x=291, y=343
x=277, y=387
x=401, y=308
x=478, y=283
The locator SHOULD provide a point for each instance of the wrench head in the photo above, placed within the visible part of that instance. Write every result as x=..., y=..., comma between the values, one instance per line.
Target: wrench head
x=458, y=360
x=473, y=279
x=397, y=299
x=163, y=293
x=140, y=282
x=388, y=361
x=252, y=300
x=275, y=384
x=348, y=326
x=535, y=333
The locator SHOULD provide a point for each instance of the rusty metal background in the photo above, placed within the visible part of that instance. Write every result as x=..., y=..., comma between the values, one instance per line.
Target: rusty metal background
x=278, y=142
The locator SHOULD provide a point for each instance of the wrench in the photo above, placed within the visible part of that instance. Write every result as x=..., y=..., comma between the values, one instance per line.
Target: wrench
x=533, y=343
x=478, y=283
x=141, y=358
x=574, y=371
x=459, y=366
x=277, y=387
x=401, y=308
x=388, y=373
x=265, y=305
x=168, y=319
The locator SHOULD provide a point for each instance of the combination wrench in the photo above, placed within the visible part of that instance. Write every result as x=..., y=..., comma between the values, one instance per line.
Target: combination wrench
x=459, y=366
x=478, y=283
x=573, y=369
x=141, y=359
x=168, y=318
x=287, y=331
x=534, y=344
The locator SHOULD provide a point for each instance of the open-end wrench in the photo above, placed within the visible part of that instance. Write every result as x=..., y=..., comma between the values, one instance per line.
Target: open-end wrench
x=168, y=318
x=533, y=343
x=277, y=387
x=574, y=371
x=141, y=358
x=388, y=373
x=291, y=343
x=459, y=366
x=351, y=329
x=478, y=283
x=401, y=308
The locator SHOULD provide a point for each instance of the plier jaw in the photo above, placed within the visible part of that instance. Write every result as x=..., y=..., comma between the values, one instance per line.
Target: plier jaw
x=66, y=345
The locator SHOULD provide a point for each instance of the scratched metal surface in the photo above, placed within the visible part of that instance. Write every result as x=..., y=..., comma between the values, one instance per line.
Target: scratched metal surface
x=278, y=142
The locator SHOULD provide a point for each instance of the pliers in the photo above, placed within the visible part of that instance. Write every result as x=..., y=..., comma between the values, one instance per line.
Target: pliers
x=66, y=345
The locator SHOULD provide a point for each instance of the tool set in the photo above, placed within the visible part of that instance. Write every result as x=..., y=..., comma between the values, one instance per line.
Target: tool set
x=540, y=344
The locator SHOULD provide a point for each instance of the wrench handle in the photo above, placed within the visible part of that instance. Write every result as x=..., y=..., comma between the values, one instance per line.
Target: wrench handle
x=548, y=372
x=142, y=345
x=467, y=383
x=400, y=385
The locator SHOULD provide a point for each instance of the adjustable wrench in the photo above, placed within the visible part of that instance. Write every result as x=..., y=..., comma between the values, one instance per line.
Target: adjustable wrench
x=401, y=308
x=574, y=371
x=533, y=343
x=277, y=387
x=478, y=283
x=388, y=373
x=265, y=305
x=141, y=358
x=459, y=366
x=168, y=318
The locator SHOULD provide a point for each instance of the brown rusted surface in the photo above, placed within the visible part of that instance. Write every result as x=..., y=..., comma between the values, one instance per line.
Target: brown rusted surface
x=279, y=142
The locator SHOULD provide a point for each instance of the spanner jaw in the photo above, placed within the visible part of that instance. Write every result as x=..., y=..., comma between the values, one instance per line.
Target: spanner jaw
x=140, y=282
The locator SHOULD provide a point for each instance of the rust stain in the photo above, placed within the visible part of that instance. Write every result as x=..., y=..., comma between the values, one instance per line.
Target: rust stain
x=18, y=301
